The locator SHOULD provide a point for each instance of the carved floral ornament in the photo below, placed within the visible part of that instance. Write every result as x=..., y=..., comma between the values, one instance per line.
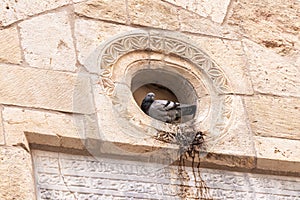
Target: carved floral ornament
x=120, y=58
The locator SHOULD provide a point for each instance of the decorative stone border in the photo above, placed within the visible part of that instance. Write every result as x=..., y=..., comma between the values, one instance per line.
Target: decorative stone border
x=147, y=41
x=116, y=57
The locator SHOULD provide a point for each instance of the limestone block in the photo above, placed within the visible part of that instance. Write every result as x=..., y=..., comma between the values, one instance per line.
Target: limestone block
x=216, y=10
x=103, y=9
x=16, y=174
x=45, y=89
x=271, y=73
x=274, y=24
x=90, y=34
x=193, y=23
x=278, y=154
x=154, y=13
x=47, y=42
x=229, y=55
x=235, y=148
x=43, y=128
x=12, y=11
x=10, y=51
x=274, y=116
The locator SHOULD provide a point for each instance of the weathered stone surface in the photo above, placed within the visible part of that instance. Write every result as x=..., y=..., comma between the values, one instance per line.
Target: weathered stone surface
x=215, y=10
x=153, y=13
x=12, y=11
x=41, y=127
x=47, y=42
x=271, y=73
x=39, y=88
x=103, y=9
x=90, y=34
x=274, y=116
x=193, y=23
x=2, y=140
x=74, y=177
x=274, y=24
x=230, y=56
x=235, y=148
x=10, y=51
x=278, y=154
x=16, y=174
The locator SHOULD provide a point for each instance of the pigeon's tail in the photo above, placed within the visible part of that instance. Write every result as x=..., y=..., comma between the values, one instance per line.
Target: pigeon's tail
x=188, y=109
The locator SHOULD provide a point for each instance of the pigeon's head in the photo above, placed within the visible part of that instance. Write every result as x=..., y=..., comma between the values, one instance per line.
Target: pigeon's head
x=150, y=96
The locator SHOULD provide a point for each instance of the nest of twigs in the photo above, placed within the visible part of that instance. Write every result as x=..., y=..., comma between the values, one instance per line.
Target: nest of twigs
x=191, y=143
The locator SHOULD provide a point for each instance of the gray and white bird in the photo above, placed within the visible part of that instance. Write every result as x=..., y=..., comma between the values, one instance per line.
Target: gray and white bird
x=165, y=110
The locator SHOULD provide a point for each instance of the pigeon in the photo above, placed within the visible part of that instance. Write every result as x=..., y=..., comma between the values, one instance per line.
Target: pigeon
x=165, y=110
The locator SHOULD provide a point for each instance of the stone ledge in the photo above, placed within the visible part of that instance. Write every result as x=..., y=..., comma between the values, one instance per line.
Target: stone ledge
x=277, y=154
x=267, y=161
x=53, y=130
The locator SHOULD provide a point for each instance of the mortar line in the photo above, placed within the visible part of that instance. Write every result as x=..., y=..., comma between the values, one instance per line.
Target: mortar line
x=36, y=109
x=228, y=10
x=247, y=64
x=71, y=17
x=128, y=19
x=29, y=17
x=248, y=124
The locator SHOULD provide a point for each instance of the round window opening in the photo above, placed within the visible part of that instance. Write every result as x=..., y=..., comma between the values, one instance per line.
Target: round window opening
x=169, y=88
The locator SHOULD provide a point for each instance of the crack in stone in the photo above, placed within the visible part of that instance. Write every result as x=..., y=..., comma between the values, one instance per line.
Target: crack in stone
x=63, y=178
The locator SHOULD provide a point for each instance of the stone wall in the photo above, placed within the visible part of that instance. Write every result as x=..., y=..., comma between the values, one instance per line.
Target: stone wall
x=49, y=92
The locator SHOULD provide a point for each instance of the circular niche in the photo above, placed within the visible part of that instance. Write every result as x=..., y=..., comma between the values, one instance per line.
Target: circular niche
x=166, y=85
x=133, y=64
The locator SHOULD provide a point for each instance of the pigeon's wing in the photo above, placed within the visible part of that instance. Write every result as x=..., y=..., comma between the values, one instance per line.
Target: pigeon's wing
x=164, y=110
x=165, y=105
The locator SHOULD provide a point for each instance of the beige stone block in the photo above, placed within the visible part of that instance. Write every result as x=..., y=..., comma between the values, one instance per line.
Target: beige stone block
x=12, y=11
x=153, y=13
x=230, y=56
x=272, y=73
x=16, y=174
x=235, y=146
x=43, y=128
x=278, y=154
x=103, y=9
x=90, y=34
x=216, y=9
x=273, y=24
x=45, y=89
x=10, y=51
x=193, y=23
x=274, y=116
x=47, y=42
